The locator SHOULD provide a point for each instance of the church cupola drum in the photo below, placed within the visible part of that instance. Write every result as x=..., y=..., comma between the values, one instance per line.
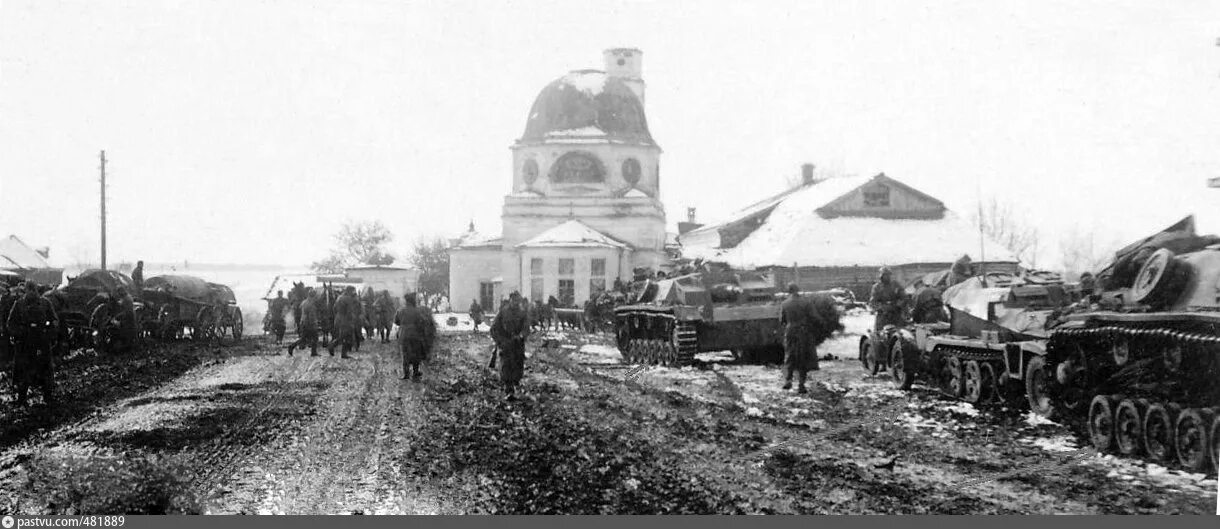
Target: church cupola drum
x=586, y=156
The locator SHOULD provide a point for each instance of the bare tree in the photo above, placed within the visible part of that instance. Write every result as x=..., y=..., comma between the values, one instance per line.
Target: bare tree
x=357, y=243
x=1081, y=252
x=1001, y=223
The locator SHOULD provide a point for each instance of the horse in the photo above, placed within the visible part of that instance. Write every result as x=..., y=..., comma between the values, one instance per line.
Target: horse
x=296, y=296
x=326, y=312
x=368, y=301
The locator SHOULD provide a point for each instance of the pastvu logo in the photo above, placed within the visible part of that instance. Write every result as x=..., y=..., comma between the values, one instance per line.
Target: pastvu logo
x=8, y=522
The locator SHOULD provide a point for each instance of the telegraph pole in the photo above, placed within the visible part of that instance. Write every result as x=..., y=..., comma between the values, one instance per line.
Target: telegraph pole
x=103, y=167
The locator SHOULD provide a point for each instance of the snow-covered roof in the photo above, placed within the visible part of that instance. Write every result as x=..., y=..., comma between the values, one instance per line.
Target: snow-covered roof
x=794, y=232
x=587, y=106
x=17, y=255
x=474, y=239
x=591, y=82
x=570, y=234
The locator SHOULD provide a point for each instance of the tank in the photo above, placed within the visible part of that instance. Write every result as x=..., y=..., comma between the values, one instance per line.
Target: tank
x=1138, y=368
x=995, y=338
x=671, y=320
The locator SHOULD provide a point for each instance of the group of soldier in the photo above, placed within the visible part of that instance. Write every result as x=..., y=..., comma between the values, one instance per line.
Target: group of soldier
x=416, y=327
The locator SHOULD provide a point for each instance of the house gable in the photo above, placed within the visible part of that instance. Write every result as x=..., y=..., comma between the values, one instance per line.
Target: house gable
x=885, y=198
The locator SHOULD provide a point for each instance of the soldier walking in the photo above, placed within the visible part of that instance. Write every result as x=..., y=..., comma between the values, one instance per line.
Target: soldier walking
x=307, y=325
x=509, y=332
x=32, y=322
x=797, y=316
x=476, y=313
x=413, y=332
x=385, y=315
x=276, y=311
x=347, y=314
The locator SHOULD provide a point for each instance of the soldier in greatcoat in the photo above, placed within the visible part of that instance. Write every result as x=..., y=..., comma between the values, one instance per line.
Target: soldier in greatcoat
x=509, y=332
x=476, y=313
x=347, y=317
x=797, y=317
x=385, y=315
x=276, y=310
x=307, y=325
x=413, y=333
x=33, y=324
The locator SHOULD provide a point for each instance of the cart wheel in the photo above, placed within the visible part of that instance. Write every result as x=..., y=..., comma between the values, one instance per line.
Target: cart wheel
x=102, y=332
x=1037, y=388
x=205, y=324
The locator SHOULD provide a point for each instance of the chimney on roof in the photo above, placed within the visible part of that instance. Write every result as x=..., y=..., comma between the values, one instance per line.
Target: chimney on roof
x=807, y=174
x=690, y=223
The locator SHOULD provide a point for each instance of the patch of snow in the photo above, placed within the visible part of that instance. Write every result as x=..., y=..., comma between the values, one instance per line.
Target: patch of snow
x=1058, y=443
x=963, y=408
x=1033, y=419
x=754, y=412
x=748, y=398
x=588, y=131
x=587, y=81
x=554, y=335
x=636, y=193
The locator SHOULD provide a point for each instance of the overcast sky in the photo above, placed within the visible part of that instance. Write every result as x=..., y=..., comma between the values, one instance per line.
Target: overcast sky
x=248, y=131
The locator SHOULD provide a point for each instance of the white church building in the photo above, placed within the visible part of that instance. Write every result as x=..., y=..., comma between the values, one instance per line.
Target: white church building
x=584, y=207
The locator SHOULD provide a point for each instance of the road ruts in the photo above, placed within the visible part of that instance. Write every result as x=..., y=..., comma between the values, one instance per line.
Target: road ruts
x=344, y=458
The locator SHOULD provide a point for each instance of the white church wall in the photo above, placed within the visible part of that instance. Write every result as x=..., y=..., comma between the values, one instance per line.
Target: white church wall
x=468, y=268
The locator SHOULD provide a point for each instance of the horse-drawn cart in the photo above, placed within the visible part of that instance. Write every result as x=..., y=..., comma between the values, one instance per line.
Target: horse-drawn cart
x=85, y=307
x=187, y=306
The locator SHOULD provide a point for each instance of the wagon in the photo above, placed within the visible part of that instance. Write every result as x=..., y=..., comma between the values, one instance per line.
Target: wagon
x=187, y=306
x=83, y=306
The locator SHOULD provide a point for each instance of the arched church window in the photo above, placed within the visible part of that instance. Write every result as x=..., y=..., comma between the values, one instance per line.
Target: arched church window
x=578, y=168
x=529, y=171
x=631, y=171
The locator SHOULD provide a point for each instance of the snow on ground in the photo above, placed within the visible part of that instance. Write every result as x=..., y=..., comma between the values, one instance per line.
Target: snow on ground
x=1055, y=443
x=963, y=408
x=463, y=322
x=598, y=354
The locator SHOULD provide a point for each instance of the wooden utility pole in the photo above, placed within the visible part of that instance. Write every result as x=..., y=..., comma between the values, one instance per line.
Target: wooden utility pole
x=103, y=167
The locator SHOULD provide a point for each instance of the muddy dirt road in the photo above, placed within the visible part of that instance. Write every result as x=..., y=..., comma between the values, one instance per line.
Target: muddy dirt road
x=253, y=430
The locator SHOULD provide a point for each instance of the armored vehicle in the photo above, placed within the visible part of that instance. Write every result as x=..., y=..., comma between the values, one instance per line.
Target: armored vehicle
x=671, y=320
x=1140, y=366
x=992, y=347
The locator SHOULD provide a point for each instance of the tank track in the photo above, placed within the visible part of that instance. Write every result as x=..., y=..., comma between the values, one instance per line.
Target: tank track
x=971, y=375
x=1142, y=390
x=672, y=343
